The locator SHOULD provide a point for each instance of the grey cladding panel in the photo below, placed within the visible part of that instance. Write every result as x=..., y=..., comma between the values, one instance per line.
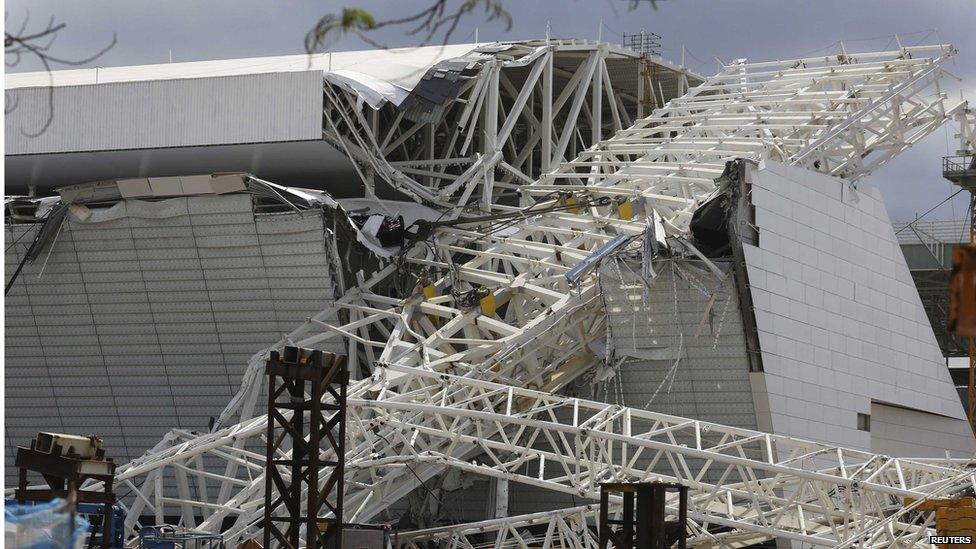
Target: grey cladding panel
x=120, y=318
x=258, y=108
x=673, y=318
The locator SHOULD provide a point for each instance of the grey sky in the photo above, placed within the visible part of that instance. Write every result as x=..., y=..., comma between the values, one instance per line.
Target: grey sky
x=756, y=29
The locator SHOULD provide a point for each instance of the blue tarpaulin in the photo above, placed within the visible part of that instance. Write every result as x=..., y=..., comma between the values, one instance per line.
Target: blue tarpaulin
x=42, y=526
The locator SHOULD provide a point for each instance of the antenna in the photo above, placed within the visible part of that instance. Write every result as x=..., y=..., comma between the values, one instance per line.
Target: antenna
x=645, y=42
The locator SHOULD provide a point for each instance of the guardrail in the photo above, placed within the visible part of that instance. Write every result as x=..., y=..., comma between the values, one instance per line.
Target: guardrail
x=958, y=164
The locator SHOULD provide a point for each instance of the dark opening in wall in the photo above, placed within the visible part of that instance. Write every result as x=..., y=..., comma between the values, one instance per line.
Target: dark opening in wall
x=863, y=422
x=709, y=226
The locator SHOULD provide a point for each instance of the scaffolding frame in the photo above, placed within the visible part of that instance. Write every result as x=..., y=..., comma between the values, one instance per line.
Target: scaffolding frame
x=294, y=493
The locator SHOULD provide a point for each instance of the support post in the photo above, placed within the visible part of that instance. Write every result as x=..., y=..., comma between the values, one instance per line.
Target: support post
x=628, y=519
x=547, y=113
x=604, y=518
x=596, y=101
x=501, y=498
x=648, y=527
x=491, y=143
x=326, y=378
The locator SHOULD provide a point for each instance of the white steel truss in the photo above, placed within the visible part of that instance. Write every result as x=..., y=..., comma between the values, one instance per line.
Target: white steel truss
x=454, y=382
x=526, y=107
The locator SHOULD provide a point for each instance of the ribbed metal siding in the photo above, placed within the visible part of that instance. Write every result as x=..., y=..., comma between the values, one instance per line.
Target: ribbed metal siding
x=284, y=106
x=711, y=382
x=140, y=325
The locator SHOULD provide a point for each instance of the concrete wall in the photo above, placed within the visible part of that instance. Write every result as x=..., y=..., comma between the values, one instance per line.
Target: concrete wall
x=145, y=322
x=839, y=318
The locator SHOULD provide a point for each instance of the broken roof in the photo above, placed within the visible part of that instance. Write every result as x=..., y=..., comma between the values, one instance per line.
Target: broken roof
x=390, y=73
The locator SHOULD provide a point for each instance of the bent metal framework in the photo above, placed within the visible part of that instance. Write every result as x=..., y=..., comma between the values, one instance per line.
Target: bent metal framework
x=454, y=388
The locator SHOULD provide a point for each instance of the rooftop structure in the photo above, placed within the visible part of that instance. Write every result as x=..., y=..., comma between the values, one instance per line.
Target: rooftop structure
x=265, y=115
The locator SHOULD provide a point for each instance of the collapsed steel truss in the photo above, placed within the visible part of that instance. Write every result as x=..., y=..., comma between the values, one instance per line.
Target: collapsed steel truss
x=508, y=117
x=453, y=387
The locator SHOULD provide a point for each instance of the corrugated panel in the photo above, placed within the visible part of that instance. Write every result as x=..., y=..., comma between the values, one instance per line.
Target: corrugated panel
x=673, y=318
x=284, y=106
x=711, y=379
x=930, y=232
x=128, y=333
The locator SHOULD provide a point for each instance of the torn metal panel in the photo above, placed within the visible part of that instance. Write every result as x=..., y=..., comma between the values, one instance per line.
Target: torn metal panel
x=27, y=209
x=440, y=84
x=721, y=226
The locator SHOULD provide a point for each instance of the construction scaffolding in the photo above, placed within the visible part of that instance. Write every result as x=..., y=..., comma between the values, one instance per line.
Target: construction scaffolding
x=643, y=526
x=961, y=171
x=66, y=463
x=293, y=494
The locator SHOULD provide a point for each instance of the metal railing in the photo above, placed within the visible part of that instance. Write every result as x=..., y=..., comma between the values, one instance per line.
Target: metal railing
x=958, y=164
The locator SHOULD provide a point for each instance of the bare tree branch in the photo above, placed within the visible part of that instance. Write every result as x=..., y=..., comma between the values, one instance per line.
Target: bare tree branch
x=36, y=44
x=441, y=19
x=428, y=22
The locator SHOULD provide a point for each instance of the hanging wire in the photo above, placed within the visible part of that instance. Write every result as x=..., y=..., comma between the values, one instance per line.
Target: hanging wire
x=681, y=344
x=930, y=210
x=721, y=321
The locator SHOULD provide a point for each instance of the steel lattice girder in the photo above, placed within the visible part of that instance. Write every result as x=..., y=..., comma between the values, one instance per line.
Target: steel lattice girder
x=505, y=117
x=767, y=484
x=842, y=116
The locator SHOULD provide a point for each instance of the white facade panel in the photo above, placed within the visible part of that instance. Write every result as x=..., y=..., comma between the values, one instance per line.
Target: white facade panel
x=229, y=110
x=839, y=318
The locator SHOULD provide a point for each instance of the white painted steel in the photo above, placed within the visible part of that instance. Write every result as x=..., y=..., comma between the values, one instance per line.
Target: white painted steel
x=455, y=388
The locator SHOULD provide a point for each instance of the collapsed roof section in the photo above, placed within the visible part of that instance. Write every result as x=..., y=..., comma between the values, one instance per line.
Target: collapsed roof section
x=265, y=114
x=455, y=379
x=491, y=121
